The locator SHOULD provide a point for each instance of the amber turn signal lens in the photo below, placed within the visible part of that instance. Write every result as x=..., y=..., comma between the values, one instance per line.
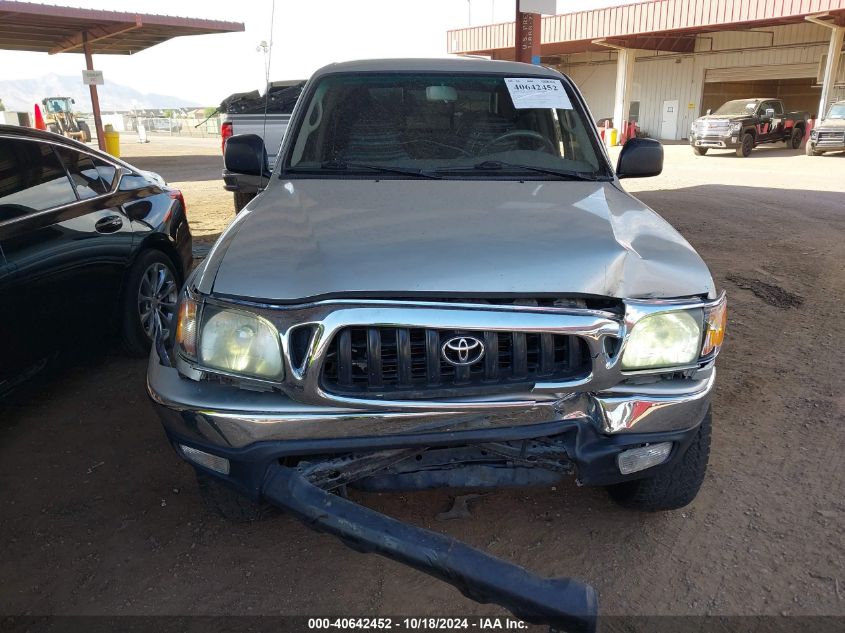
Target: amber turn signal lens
x=715, y=321
x=186, y=328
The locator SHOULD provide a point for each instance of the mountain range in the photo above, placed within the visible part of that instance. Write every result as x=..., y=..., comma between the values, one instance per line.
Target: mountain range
x=21, y=94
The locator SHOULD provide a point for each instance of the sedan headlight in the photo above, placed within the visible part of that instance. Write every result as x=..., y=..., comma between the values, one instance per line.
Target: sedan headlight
x=240, y=343
x=665, y=339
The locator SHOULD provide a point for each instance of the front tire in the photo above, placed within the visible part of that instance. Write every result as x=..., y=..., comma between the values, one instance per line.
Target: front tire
x=150, y=295
x=809, y=150
x=222, y=500
x=796, y=138
x=744, y=149
x=673, y=487
x=700, y=151
x=242, y=199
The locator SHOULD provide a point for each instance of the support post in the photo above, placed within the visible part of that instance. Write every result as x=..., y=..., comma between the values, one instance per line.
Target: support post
x=95, y=100
x=831, y=68
x=624, y=81
x=527, y=37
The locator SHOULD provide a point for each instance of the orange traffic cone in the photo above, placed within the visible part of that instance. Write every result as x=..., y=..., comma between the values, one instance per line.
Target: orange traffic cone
x=39, y=120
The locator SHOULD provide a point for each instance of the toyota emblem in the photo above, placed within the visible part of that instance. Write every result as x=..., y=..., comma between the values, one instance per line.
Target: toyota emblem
x=462, y=351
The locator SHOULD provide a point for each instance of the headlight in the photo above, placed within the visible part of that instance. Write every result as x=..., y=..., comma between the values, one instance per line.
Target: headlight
x=736, y=127
x=813, y=134
x=240, y=343
x=666, y=339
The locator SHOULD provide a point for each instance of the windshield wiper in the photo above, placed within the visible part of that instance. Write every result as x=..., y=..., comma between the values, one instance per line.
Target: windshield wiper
x=339, y=165
x=494, y=165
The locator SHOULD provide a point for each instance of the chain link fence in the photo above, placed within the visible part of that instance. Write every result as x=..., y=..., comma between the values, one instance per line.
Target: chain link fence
x=184, y=126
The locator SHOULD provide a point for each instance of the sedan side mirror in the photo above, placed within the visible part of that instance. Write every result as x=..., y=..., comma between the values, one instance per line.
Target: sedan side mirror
x=640, y=158
x=246, y=154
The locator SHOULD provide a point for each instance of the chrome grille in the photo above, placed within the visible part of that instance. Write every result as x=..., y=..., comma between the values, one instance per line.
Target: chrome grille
x=830, y=138
x=408, y=361
x=706, y=128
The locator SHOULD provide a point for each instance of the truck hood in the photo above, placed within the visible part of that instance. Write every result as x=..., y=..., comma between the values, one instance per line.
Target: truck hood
x=307, y=239
x=831, y=124
x=724, y=117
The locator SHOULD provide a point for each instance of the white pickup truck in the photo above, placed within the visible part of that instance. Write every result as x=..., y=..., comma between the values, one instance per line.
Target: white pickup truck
x=246, y=114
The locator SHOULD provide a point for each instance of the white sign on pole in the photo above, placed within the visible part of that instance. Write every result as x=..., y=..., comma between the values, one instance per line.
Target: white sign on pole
x=545, y=7
x=92, y=77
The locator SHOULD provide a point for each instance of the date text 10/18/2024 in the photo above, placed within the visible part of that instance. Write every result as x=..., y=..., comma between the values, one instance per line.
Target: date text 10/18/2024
x=418, y=624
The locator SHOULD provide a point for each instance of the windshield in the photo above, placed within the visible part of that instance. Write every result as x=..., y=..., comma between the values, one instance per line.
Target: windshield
x=485, y=126
x=837, y=111
x=738, y=106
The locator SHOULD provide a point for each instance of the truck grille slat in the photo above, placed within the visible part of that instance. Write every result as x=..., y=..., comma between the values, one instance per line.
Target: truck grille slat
x=520, y=355
x=403, y=344
x=408, y=362
x=491, y=357
x=432, y=357
x=547, y=354
x=344, y=358
x=374, y=363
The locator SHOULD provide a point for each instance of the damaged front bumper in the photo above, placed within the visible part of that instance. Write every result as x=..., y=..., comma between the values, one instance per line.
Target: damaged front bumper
x=587, y=431
x=277, y=450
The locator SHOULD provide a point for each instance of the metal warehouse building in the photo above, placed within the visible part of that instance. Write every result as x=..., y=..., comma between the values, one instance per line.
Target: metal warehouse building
x=665, y=62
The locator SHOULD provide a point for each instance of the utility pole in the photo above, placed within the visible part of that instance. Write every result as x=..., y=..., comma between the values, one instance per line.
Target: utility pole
x=527, y=37
x=95, y=100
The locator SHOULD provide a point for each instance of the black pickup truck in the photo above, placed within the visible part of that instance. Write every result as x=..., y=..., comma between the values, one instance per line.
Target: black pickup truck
x=742, y=124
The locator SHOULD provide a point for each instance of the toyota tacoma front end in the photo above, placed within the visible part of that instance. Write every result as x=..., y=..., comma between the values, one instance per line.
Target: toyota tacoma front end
x=443, y=284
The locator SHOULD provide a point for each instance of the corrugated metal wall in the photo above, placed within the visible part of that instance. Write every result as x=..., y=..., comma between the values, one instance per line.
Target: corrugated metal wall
x=638, y=18
x=659, y=78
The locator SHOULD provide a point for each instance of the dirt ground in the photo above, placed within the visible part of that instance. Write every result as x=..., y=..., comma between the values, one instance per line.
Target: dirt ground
x=100, y=517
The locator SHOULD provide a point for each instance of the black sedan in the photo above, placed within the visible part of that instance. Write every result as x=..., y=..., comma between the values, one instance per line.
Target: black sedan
x=88, y=244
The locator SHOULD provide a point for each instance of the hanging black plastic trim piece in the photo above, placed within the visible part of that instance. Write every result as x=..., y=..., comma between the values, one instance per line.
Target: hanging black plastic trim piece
x=564, y=604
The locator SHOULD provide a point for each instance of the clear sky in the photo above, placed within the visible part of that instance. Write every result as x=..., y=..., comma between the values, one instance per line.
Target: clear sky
x=307, y=34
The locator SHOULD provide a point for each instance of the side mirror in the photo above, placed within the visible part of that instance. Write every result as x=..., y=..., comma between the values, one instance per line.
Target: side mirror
x=770, y=112
x=246, y=154
x=640, y=158
x=709, y=110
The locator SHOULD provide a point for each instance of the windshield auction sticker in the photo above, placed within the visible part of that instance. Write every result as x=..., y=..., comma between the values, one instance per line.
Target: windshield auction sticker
x=531, y=92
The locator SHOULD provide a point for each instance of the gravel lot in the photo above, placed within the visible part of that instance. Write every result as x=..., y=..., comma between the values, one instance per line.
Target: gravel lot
x=100, y=517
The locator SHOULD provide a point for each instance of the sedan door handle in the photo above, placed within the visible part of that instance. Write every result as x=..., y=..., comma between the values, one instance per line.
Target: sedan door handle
x=109, y=224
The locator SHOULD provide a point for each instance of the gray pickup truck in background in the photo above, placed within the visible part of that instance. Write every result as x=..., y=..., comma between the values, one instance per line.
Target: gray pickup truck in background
x=829, y=133
x=266, y=115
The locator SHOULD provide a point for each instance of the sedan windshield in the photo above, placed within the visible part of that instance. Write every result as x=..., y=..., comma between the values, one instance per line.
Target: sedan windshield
x=738, y=106
x=408, y=125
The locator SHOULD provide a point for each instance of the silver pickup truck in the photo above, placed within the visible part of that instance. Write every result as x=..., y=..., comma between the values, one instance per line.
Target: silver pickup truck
x=267, y=116
x=443, y=284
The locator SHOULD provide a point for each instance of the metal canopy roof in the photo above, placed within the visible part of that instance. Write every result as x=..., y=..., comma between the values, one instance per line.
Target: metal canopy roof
x=26, y=26
x=666, y=25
